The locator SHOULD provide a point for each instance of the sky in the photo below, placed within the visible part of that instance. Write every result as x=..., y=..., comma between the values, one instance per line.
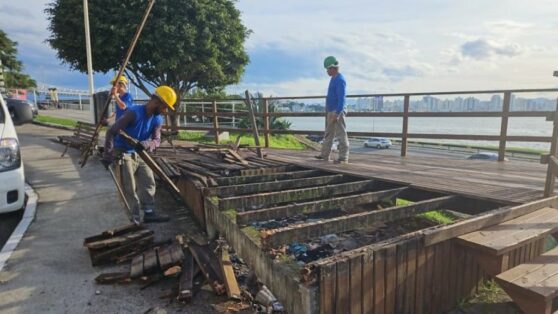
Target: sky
x=382, y=46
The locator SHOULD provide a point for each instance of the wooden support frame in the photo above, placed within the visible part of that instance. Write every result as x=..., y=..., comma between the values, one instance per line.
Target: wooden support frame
x=266, y=122
x=231, y=190
x=404, y=136
x=266, y=199
x=550, y=173
x=215, y=121
x=315, y=206
x=223, y=181
x=504, y=126
x=275, y=237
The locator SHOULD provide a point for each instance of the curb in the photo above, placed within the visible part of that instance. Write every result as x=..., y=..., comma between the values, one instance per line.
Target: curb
x=19, y=231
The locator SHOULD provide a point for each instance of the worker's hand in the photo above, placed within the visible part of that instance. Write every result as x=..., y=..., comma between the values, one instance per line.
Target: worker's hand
x=113, y=92
x=333, y=117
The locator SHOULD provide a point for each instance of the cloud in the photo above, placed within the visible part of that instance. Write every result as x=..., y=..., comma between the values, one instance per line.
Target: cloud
x=482, y=49
x=399, y=73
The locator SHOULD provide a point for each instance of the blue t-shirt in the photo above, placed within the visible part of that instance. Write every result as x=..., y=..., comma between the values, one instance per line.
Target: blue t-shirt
x=335, y=101
x=128, y=100
x=141, y=128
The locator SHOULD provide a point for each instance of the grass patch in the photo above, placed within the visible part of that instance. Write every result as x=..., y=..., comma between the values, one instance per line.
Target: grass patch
x=489, y=293
x=275, y=141
x=231, y=213
x=253, y=234
x=439, y=216
x=402, y=202
x=55, y=120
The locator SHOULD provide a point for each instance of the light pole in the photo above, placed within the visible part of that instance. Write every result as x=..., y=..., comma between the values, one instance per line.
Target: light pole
x=89, y=59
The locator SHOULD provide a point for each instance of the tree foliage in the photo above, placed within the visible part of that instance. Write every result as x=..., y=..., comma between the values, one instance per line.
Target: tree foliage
x=185, y=44
x=13, y=76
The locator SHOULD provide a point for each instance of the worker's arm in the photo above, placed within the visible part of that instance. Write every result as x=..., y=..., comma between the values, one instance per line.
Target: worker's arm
x=123, y=122
x=340, y=90
x=119, y=102
x=155, y=141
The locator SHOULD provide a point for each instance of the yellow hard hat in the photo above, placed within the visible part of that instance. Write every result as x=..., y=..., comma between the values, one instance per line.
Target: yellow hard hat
x=167, y=95
x=122, y=79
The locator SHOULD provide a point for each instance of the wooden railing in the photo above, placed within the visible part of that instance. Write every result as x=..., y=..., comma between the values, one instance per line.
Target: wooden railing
x=502, y=138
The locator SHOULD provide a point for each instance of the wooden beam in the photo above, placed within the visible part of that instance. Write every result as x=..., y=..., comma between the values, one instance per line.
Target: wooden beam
x=504, y=126
x=405, y=130
x=269, y=198
x=312, y=230
x=252, y=188
x=496, y=216
x=268, y=177
x=315, y=206
x=233, y=291
x=252, y=117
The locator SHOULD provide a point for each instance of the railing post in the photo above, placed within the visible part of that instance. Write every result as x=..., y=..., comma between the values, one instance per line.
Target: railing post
x=266, y=122
x=549, y=183
x=405, y=125
x=504, y=126
x=215, y=122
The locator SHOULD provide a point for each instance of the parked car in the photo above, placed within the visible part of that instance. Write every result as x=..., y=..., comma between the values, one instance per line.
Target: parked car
x=11, y=103
x=334, y=146
x=377, y=142
x=485, y=156
x=12, y=187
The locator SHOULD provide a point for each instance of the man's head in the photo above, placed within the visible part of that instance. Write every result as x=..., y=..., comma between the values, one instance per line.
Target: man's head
x=331, y=65
x=121, y=84
x=164, y=97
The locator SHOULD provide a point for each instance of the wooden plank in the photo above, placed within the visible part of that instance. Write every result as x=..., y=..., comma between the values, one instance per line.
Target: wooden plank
x=267, y=177
x=186, y=281
x=446, y=301
x=206, y=261
x=420, y=279
x=380, y=281
x=355, y=284
x=112, y=232
x=438, y=279
x=118, y=240
x=315, y=206
x=401, y=265
x=149, y=262
x=120, y=253
x=411, y=277
x=260, y=187
x=391, y=278
x=368, y=283
x=233, y=291
x=136, y=268
x=287, y=196
x=490, y=218
x=177, y=255
x=164, y=255
x=504, y=126
x=252, y=117
x=429, y=279
x=513, y=233
x=305, y=231
x=328, y=275
x=111, y=278
x=342, y=287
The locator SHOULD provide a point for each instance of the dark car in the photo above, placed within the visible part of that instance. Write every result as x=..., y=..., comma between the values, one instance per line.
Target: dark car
x=485, y=156
x=11, y=103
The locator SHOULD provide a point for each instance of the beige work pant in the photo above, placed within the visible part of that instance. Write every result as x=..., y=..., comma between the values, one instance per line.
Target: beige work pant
x=336, y=129
x=138, y=183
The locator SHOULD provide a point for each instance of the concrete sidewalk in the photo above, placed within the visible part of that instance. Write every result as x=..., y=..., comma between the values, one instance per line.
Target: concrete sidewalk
x=50, y=271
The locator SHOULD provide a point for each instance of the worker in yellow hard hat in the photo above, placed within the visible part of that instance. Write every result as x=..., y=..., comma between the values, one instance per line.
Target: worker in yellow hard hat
x=144, y=124
x=119, y=92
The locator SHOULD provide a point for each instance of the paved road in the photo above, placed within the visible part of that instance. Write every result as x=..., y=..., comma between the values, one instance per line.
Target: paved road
x=8, y=222
x=50, y=271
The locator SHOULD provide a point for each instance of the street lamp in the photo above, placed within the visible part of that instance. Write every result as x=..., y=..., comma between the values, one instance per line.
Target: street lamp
x=89, y=59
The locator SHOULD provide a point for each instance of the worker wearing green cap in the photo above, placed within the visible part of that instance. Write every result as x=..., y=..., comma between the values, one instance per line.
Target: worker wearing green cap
x=335, y=113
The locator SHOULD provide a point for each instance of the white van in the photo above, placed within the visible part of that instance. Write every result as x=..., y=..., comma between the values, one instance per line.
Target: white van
x=12, y=179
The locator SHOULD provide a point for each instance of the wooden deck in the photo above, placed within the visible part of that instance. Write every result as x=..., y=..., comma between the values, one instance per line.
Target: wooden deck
x=510, y=181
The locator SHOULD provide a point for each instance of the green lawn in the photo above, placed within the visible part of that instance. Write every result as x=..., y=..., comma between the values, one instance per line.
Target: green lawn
x=56, y=121
x=275, y=141
x=438, y=216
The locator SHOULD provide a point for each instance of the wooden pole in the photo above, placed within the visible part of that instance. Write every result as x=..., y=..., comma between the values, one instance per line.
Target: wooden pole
x=504, y=126
x=549, y=183
x=266, y=122
x=215, y=122
x=248, y=101
x=405, y=125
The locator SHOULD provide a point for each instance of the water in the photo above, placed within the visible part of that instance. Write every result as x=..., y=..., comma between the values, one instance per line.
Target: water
x=525, y=126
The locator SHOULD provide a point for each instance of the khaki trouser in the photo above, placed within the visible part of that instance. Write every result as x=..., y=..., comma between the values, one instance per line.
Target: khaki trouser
x=336, y=129
x=138, y=183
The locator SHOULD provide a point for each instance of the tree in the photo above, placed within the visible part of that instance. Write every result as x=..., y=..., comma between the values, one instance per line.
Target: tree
x=12, y=66
x=185, y=43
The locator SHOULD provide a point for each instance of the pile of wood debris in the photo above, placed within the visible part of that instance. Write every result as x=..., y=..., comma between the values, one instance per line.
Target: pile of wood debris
x=193, y=265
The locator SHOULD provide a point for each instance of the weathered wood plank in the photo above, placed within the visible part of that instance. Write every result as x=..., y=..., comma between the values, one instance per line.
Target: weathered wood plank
x=136, y=268
x=206, y=260
x=328, y=295
x=391, y=278
x=233, y=291
x=411, y=276
x=270, y=198
x=312, y=230
x=342, y=303
x=315, y=206
x=420, y=279
x=401, y=266
x=380, y=281
x=260, y=187
x=267, y=177
x=368, y=288
x=355, y=284
x=186, y=281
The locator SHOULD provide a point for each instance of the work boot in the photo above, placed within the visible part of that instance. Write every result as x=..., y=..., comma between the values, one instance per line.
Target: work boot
x=150, y=216
x=341, y=161
x=136, y=218
x=320, y=157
